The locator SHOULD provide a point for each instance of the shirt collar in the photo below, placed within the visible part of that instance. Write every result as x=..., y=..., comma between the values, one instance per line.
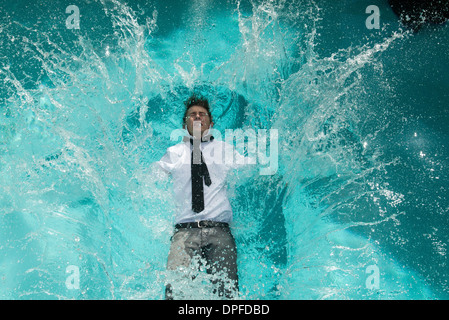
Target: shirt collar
x=205, y=138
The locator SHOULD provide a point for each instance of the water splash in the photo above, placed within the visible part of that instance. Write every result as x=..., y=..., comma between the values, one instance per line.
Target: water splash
x=80, y=135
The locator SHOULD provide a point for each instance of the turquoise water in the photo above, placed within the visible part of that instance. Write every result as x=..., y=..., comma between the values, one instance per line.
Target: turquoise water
x=357, y=210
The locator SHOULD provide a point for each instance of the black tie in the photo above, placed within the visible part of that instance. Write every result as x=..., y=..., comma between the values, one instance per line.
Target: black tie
x=199, y=172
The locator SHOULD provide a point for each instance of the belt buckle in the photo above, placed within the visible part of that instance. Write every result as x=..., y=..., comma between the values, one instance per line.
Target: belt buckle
x=198, y=224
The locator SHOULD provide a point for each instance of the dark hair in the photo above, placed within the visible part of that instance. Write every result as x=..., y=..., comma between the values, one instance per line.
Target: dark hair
x=195, y=100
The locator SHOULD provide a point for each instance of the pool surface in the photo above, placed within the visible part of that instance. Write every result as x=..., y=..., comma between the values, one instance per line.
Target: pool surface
x=357, y=207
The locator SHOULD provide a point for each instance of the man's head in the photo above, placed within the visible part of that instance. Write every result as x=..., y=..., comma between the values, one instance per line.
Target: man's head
x=197, y=109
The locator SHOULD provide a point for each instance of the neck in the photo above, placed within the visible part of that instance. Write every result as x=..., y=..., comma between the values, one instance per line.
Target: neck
x=205, y=136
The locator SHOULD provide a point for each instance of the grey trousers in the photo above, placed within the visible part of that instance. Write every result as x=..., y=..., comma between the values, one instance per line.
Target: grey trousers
x=214, y=245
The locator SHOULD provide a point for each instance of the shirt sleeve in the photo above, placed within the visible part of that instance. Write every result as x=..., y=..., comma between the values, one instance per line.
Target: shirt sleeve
x=170, y=160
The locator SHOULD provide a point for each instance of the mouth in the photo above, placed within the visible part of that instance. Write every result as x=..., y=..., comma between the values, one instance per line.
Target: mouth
x=198, y=123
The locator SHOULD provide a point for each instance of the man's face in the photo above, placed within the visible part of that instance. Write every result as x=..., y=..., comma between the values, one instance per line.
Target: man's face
x=198, y=113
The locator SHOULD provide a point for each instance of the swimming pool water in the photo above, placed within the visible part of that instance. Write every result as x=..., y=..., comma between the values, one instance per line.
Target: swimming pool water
x=356, y=210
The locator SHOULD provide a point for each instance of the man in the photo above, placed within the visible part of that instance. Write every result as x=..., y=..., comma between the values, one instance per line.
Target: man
x=199, y=169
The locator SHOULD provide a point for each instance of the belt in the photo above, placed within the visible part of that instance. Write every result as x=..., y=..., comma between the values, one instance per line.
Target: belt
x=202, y=224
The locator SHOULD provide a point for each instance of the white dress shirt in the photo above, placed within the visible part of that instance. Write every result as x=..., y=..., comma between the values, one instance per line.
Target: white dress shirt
x=220, y=158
